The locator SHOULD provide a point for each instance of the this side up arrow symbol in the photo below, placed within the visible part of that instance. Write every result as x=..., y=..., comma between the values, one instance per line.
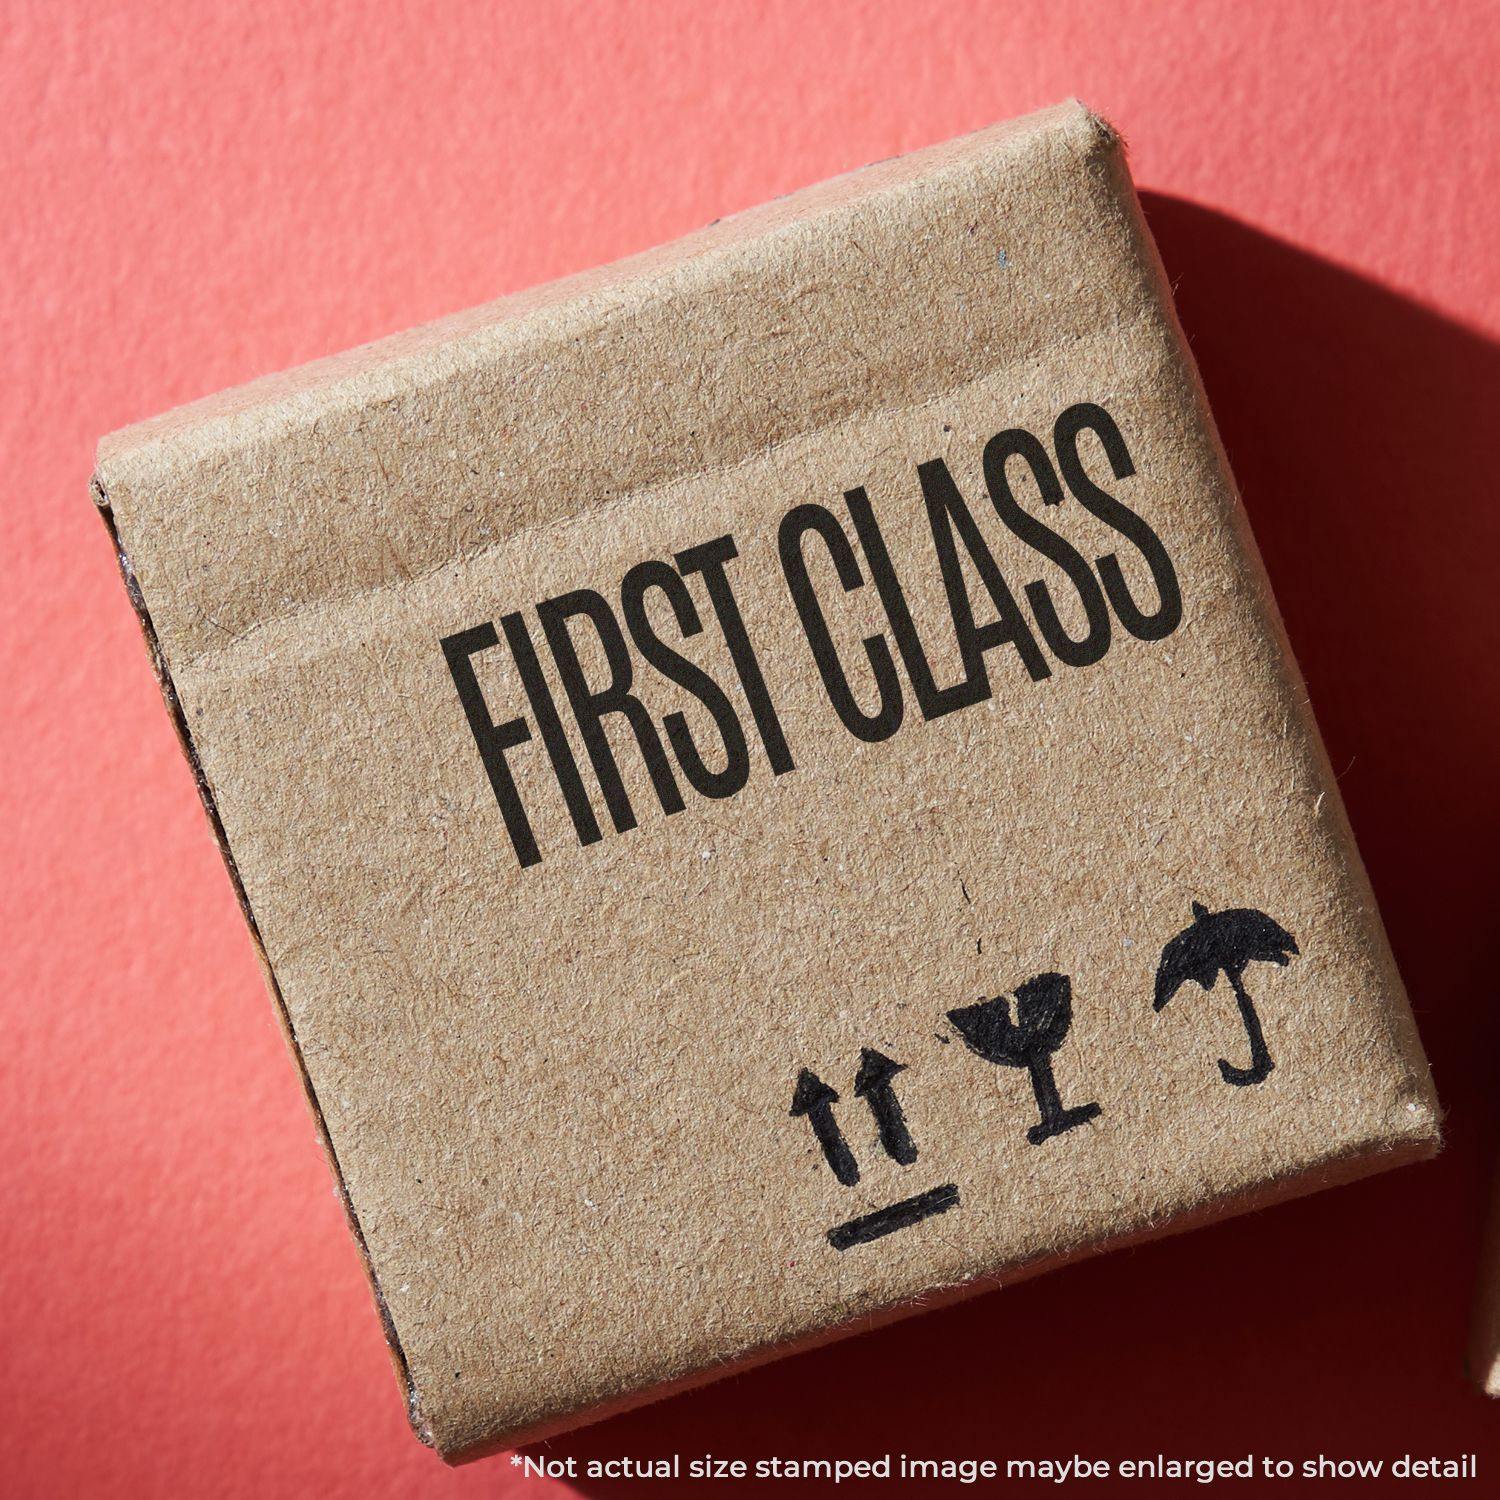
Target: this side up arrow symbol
x=873, y=1084
x=815, y=1099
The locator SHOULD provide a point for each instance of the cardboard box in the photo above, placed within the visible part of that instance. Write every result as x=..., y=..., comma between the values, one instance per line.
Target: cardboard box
x=769, y=783
x=1484, y=1331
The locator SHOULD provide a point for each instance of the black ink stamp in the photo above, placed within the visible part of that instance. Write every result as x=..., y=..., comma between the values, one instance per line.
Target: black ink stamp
x=1227, y=942
x=875, y=1084
x=900, y=1215
x=815, y=1099
x=1044, y=1014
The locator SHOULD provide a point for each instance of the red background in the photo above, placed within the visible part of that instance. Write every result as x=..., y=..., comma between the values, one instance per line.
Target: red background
x=196, y=195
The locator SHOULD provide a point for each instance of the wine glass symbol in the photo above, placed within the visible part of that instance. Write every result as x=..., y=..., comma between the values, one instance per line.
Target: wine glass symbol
x=1044, y=1013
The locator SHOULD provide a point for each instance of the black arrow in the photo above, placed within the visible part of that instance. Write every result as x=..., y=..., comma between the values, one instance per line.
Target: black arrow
x=815, y=1099
x=873, y=1084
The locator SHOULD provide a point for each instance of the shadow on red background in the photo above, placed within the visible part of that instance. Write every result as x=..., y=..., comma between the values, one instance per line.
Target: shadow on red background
x=1359, y=427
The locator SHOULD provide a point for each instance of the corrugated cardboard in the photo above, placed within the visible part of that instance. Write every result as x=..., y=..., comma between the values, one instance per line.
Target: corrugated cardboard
x=638, y=713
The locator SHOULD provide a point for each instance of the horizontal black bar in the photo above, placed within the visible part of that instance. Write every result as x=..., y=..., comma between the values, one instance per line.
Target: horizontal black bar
x=896, y=1216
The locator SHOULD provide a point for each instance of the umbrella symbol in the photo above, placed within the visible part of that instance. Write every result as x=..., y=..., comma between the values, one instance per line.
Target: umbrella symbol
x=1227, y=942
x=1044, y=1012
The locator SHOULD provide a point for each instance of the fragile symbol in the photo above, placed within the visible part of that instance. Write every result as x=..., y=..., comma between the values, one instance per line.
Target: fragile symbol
x=1227, y=942
x=1044, y=1013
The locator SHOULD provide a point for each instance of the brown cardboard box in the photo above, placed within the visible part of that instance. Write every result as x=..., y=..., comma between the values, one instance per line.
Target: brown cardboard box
x=646, y=717
x=1484, y=1333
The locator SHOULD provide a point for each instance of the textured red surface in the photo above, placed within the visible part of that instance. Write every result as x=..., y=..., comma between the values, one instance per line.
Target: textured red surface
x=197, y=195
